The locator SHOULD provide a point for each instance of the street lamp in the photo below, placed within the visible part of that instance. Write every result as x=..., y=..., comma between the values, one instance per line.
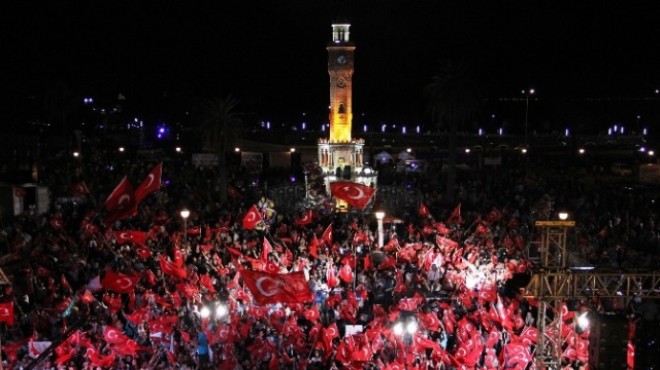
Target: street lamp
x=527, y=94
x=185, y=214
x=406, y=330
x=563, y=215
x=380, y=215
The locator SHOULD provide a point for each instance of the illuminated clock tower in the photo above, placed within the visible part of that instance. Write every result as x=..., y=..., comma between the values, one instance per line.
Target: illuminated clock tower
x=341, y=157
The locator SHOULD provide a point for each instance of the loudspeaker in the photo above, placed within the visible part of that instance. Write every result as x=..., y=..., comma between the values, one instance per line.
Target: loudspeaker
x=608, y=342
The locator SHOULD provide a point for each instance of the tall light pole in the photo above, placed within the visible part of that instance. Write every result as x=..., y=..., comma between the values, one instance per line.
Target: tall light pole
x=184, y=215
x=380, y=215
x=527, y=94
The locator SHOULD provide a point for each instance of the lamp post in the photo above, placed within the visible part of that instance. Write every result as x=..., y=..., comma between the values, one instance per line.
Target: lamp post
x=380, y=215
x=527, y=94
x=406, y=330
x=185, y=214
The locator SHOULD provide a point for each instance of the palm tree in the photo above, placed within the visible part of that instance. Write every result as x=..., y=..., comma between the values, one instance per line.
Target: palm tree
x=220, y=127
x=454, y=99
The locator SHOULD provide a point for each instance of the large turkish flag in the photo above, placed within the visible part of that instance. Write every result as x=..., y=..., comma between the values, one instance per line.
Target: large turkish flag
x=277, y=288
x=356, y=195
x=150, y=184
x=118, y=282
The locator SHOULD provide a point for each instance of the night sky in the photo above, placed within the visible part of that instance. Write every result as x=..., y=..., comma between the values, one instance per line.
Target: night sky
x=271, y=54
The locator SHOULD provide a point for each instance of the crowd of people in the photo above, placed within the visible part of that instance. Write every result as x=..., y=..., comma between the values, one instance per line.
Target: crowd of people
x=136, y=294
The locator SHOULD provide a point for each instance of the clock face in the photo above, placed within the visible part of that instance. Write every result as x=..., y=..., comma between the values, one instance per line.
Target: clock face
x=341, y=59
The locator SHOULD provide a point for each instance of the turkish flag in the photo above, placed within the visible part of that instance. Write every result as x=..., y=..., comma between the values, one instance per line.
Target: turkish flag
x=327, y=235
x=79, y=189
x=277, y=288
x=251, y=218
x=356, y=195
x=118, y=282
x=330, y=333
x=7, y=313
x=113, y=335
x=331, y=277
x=120, y=203
x=143, y=252
x=346, y=273
x=423, y=210
x=130, y=236
x=170, y=268
x=305, y=220
x=455, y=217
x=150, y=184
x=265, y=250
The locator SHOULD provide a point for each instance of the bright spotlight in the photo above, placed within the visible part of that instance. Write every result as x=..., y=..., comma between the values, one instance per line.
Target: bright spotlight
x=220, y=311
x=467, y=150
x=411, y=327
x=563, y=216
x=583, y=321
x=524, y=150
x=398, y=328
x=581, y=150
x=205, y=312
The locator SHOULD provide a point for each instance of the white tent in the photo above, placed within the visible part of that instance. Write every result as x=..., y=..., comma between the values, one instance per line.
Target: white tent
x=383, y=157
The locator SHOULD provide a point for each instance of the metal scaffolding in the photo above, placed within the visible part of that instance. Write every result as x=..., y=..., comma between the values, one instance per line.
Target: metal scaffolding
x=554, y=281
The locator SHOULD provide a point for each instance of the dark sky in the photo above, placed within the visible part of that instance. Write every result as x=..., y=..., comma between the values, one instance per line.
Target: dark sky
x=271, y=54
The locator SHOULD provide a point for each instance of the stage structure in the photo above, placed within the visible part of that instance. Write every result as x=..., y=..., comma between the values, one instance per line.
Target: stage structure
x=341, y=157
x=554, y=282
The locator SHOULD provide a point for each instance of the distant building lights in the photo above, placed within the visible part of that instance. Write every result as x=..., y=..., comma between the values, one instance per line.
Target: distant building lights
x=408, y=150
x=403, y=130
x=481, y=132
x=383, y=127
x=76, y=154
x=622, y=129
x=323, y=127
x=237, y=149
x=292, y=150
x=609, y=131
x=467, y=150
x=651, y=153
x=364, y=128
x=177, y=149
x=304, y=125
x=567, y=132
x=581, y=150
x=523, y=150
x=417, y=129
x=500, y=131
x=616, y=128
x=121, y=149
x=645, y=131
x=642, y=149
x=267, y=125
x=88, y=100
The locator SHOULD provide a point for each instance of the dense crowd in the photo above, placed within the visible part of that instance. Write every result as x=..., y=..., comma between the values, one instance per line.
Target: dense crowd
x=450, y=273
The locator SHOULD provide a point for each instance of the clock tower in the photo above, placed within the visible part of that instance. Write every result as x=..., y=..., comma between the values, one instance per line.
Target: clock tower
x=341, y=156
x=340, y=68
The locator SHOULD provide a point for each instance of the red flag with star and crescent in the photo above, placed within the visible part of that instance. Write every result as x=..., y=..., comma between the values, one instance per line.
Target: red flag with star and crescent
x=118, y=282
x=353, y=193
x=251, y=218
x=7, y=313
x=113, y=335
x=150, y=184
x=277, y=288
x=79, y=189
x=121, y=203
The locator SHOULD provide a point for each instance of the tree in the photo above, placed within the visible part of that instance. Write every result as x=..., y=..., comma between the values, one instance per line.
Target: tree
x=220, y=127
x=454, y=99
